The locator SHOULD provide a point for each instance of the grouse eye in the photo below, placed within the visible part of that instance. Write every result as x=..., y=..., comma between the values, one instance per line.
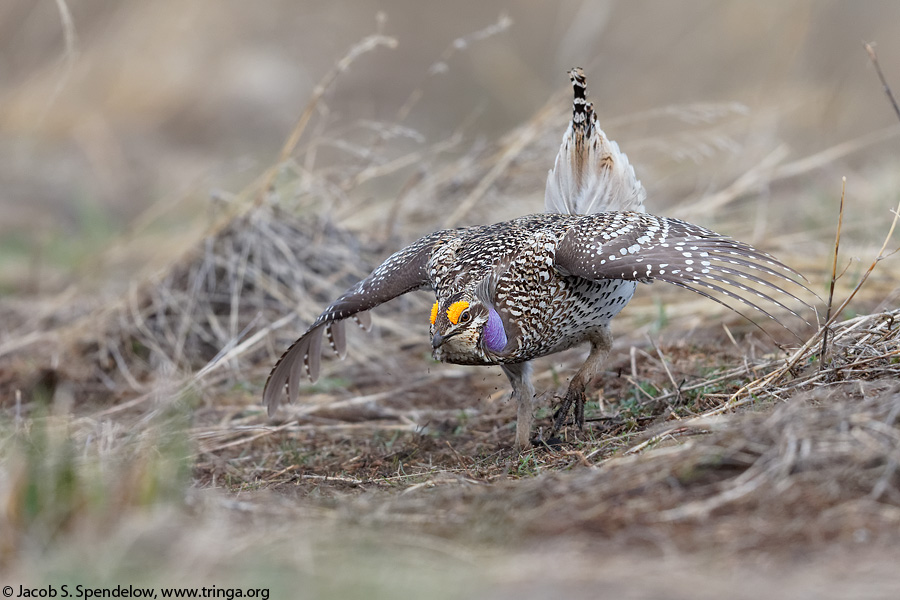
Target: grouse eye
x=464, y=317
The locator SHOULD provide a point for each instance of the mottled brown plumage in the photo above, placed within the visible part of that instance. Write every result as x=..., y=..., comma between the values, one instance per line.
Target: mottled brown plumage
x=536, y=285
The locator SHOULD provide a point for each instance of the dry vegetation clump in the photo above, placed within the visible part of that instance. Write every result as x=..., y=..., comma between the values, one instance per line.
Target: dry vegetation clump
x=255, y=274
x=258, y=268
x=821, y=468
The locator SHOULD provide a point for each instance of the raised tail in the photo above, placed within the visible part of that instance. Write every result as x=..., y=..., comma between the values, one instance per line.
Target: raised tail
x=590, y=175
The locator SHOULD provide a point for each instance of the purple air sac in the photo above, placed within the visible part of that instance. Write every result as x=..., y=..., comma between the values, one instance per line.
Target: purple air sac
x=494, y=334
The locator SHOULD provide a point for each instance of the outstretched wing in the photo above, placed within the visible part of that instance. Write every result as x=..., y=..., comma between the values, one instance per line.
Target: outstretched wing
x=642, y=247
x=402, y=272
x=590, y=175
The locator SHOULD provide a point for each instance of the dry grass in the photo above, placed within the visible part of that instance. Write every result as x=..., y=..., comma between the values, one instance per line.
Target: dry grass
x=818, y=469
x=134, y=426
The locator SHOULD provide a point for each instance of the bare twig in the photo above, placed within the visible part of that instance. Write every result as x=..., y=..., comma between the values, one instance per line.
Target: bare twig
x=366, y=45
x=70, y=54
x=512, y=150
x=440, y=65
x=887, y=89
x=881, y=256
x=746, y=393
x=460, y=461
x=770, y=171
x=662, y=359
x=837, y=244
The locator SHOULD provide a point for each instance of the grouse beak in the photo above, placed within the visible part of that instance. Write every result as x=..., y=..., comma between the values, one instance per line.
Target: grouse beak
x=439, y=339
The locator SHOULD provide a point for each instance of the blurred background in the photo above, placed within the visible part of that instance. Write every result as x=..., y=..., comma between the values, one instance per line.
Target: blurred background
x=109, y=107
x=136, y=139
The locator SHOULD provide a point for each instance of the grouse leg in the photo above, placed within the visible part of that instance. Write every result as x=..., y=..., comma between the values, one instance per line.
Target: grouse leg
x=601, y=344
x=519, y=375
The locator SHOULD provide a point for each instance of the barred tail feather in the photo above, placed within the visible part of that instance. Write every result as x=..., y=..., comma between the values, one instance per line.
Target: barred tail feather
x=590, y=175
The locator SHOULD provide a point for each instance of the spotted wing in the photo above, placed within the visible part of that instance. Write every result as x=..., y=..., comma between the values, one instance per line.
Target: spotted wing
x=642, y=247
x=402, y=272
